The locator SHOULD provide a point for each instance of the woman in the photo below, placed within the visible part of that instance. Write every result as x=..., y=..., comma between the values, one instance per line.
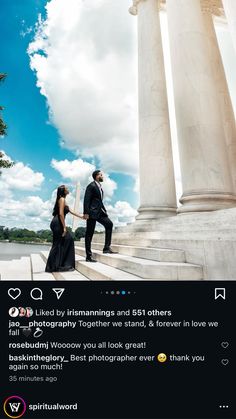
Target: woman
x=22, y=312
x=62, y=255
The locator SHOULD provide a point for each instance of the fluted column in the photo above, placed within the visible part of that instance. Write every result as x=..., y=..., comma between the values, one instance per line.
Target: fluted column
x=223, y=90
x=230, y=12
x=206, y=177
x=157, y=183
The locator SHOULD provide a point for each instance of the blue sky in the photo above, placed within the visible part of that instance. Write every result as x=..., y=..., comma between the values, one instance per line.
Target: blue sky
x=34, y=138
x=71, y=104
x=31, y=139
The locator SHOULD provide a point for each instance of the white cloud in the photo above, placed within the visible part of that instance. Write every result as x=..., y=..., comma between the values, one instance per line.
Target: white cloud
x=88, y=75
x=26, y=30
x=136, y=184
x=20, y=177
x=34, y=213
x=108, y=186
x=81, y=171
x=26, y=211
x=91, y=87
x=75, y=170
x=30, y=212
x=121, y=213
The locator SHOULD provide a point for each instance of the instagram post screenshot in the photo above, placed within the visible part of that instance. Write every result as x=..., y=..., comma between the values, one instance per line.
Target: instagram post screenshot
x=117, y=209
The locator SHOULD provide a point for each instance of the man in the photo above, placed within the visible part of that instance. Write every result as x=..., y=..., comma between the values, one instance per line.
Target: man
x=94, y=210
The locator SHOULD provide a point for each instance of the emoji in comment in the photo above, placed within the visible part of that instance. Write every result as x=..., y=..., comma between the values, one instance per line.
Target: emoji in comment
x=161, y=357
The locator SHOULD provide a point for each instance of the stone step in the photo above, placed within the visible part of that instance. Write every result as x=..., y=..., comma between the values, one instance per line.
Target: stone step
x=71, y=276
x=126, y=241
x=225, y=218
x=194, y=226
x=120, y=240
x=147, y=269
x=16, y=269
x=38, y=268
x=160, y=255
x=217, y=233
x=100, y=271
x=196, y=233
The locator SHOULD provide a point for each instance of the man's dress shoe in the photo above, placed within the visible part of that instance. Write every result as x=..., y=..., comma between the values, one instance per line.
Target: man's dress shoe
x=90, y=260
x=109, y=251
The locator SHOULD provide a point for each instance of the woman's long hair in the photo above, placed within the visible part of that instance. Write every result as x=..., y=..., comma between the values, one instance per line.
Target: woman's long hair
x=60, y=194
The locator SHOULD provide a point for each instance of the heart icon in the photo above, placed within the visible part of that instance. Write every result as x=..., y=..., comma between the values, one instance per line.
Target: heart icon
x=224, y=361
x=27, y=331
x=225, y=345
x=14, y=293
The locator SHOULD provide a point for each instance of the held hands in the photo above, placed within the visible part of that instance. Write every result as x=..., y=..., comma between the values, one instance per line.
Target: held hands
x=83, y=216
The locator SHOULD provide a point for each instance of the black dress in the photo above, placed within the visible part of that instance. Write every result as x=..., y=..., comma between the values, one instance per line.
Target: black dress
x=62, y=255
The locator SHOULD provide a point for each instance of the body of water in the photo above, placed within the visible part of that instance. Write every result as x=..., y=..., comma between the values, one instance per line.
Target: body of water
x=10, y=251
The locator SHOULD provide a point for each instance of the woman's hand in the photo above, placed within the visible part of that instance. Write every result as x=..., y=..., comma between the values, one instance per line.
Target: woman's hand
x=64, y=232
x=77, y=215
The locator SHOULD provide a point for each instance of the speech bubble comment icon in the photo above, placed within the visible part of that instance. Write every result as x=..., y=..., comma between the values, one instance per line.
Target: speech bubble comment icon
x=36, y=294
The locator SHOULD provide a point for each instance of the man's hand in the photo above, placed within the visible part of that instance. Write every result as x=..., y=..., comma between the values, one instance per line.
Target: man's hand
x=86, y=216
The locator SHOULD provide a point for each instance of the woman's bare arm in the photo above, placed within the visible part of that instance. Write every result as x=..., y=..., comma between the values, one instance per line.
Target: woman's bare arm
x=76, y=215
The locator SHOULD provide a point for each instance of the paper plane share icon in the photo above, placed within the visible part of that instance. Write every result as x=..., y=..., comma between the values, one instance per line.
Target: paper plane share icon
x=58, y=292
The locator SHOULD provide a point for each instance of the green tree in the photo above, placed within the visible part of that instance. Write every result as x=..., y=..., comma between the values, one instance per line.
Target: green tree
x=1, y=232
x=6, y=234
x=79, y=233
x=3, y=162
x=45, y=235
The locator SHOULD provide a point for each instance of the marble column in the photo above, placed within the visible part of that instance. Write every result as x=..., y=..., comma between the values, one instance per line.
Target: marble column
x=230, y=12
x=206, y=177
x=157, y=182
x=223, y=90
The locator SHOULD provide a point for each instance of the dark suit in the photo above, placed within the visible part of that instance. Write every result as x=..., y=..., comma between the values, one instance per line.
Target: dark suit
x=93, y=206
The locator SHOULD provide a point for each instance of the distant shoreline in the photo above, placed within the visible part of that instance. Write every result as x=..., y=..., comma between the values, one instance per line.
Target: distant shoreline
x=26, y=242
